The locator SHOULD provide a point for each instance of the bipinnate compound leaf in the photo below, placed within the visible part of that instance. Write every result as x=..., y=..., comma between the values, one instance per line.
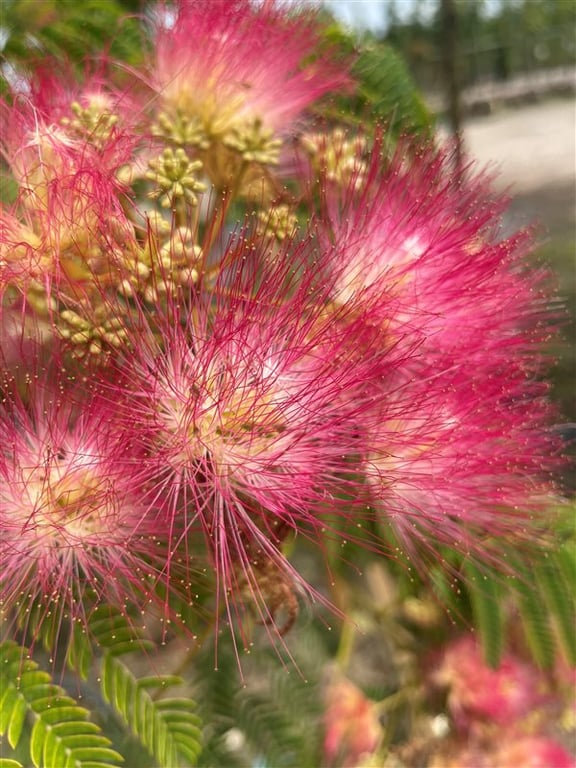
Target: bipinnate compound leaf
x=545, y=592
x=55, y=27
x=540, y=591
x=385, y=91
x=59, y=731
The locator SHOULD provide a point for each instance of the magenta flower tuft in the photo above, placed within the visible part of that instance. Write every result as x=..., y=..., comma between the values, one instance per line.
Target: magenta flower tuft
x=478, y=694
x=459, y=449
x=249, y=412
x=430, y=243
x=220, y=67
x=75, y=532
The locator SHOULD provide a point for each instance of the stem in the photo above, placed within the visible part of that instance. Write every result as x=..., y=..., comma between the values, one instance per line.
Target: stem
x=345, y=645
x=227, y=195
x=180, y=213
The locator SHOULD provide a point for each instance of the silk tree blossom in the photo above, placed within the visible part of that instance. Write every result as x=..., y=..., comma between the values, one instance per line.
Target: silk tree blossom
x=378, y=363
x=61, y=124
x=531, y=752
x=479, y=694
x=66, y=236
x=239, y=75
x=430, y=243
x=461, y=456
x=56, y=130
x=68, y=221
x=352, y=725
x=507, y=750
x=93, y=110
x=458, y=450
x=75, y=532
x=503, y=716
x=249, y=411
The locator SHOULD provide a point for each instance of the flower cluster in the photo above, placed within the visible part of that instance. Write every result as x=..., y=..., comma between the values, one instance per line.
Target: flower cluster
x=352, y=726
x=225, y=327
x=505, y=716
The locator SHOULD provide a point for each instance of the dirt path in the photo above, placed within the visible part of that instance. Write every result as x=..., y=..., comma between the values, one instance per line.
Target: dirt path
x=532, y=146
x=534, y=150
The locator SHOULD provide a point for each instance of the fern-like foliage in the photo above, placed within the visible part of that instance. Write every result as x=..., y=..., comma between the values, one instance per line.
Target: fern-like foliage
x=540, y=594
x=49, y=726
x=169, y=728
x=57, y=730
x=114, y=632
x=535, y=595
x=47, y=628
x=269, y=714
x=71, y=29
x=385, y=92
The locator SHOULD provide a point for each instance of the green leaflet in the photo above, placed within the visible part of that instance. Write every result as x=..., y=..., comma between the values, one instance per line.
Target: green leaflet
x=535, y=622
x=116, y=633
x=79, y=653
x=554, y=576
x=386, y=86
x=61, y=733
x=168, y=728
x=41, y=624
x=57, y=731
x=106, y=627
x=544, y=591
x=485, y=596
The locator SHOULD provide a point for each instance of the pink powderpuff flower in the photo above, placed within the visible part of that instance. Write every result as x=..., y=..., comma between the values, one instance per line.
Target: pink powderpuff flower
x=431, y=244
x=90, y=115
x=25, y=338
x=21, y=258
x=532, y=752
x=479, y=694
x=94, y=108
x=248, y=410
x=222, y=66
x=460, y=448
x=75, y=532
x=516, y=751
x=460, y=456
x=352, y=729
x=67, y=228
